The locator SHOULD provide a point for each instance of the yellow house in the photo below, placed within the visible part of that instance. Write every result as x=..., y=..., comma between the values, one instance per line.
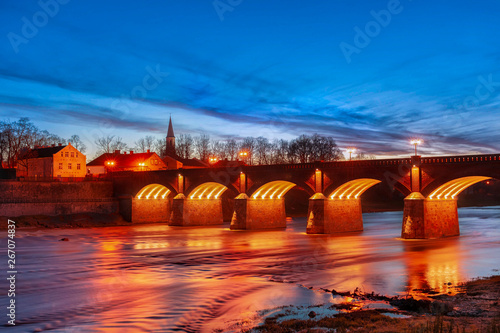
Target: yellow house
x=52, y=162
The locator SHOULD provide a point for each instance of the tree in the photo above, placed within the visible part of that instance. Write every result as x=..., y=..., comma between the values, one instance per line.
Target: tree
x=77, y=143
x=109, y=144
x=184, y=146
x=231, y=148
x=248, y=146
x=144, y=144
x=201, y=146
x=218, y=149
x=262, y=150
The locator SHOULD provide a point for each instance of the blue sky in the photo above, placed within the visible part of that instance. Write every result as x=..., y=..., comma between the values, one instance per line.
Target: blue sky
x=258, y=68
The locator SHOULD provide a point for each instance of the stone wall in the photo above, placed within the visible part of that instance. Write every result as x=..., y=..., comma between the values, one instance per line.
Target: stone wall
x=195, y=212
x=56, y=198
x=441, y=218
x=253, y=214
x=150, y=210
x=343, y=215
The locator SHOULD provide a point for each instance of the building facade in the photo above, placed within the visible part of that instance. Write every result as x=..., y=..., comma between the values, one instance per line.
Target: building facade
x=118, y=161
x=52, y=162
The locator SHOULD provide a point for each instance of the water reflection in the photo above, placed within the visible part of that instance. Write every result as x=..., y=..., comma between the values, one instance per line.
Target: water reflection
x=168, y=279
x=433, y=265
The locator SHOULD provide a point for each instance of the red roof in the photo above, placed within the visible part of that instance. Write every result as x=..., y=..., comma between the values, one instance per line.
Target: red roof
x=121, y=160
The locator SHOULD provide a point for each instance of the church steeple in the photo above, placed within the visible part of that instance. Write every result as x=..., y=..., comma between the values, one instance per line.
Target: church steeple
x=170, y=148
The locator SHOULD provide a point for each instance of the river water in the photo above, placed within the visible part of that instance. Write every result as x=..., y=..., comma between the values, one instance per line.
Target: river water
x=168, y=279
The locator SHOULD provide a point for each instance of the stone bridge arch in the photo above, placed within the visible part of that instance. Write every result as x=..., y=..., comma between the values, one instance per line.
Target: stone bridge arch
x=341, y=210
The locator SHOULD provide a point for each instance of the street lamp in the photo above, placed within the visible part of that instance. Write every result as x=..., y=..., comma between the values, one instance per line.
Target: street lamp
x=212, y=160
x=416, y=142
x=350, y=151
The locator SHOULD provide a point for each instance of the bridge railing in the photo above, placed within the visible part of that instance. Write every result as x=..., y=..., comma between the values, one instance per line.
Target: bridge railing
x=461, y=159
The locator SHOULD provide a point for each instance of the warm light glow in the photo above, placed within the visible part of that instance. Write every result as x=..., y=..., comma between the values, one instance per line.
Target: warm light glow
x=351, y=150
x=110, y=163
x=213, y=160
x=417, y=141
x=273, y=190
x=243, y=153
x=153, y=191
x=451, y=189
x=209, y=190
x=353, y=189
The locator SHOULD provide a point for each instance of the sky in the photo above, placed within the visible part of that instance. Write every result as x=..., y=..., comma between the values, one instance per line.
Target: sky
x=371, y=74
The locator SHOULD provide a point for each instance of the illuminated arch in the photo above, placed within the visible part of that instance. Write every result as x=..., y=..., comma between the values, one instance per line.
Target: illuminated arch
x=209, y=190
x=153, y=191
x=273, y=190
x=353, y=189
x=451, y=189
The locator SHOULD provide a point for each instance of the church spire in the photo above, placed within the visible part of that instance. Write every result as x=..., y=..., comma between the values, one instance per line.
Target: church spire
x=170, y=133
x=170, y=147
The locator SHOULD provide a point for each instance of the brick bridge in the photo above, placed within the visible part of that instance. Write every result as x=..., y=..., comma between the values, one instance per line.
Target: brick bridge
x=192, y=197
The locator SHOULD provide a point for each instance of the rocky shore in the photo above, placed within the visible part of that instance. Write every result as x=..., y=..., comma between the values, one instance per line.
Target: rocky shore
x=472, y=308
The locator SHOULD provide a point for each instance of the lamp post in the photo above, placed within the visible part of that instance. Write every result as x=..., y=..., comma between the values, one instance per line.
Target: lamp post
x=243, y=155
x=416, y=142
x=212, y=160
x=350, y=151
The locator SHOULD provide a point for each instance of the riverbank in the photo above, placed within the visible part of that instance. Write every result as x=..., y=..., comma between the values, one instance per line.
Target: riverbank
x=472, y=308
x=82, y=220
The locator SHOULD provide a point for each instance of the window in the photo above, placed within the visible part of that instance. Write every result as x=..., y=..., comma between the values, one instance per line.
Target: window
x=69, y=165
x=78, y=166
x=72, y=154
x=62, y=154
x=60, y=166
x=66, y=154
x=76, y=154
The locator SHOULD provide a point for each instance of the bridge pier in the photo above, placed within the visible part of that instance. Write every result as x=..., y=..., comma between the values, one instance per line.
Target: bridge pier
x=330, y=216
x=429, y=218
x=144, y=210
x=195, y=212
x=254, y=214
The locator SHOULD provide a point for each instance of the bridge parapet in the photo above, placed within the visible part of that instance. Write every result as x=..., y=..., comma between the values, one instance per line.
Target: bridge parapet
x=461, y=159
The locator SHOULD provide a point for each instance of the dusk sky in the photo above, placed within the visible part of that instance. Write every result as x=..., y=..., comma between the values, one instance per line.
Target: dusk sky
x=270, y=68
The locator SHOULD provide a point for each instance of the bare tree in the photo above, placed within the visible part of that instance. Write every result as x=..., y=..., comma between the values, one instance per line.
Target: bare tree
x=248, y=146
x=218, y=149
x=144, y=144
x=108, y=144
x=202, y=146
x=78, y=143
x=262, y=150
x=231, y=148
x=185, y=144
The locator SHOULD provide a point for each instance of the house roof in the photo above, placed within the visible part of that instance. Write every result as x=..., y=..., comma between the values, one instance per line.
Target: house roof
x=122, y=160
x=41, y=152
x=193, y=162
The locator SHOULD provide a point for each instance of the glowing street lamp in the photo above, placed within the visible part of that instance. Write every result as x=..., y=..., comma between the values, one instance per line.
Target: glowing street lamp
x=142, y=165
x=416, y=142
x=350, y=151
x=243, y=154
x=110, y=165
x=212, y=160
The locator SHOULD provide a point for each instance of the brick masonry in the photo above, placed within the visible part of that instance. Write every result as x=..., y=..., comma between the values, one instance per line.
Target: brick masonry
x=254, y=214
x=330, y=216
x=56, y=198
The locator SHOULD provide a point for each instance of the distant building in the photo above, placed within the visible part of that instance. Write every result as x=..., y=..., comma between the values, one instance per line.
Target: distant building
x=52, y=162
x=125, y=162
x=174, y=161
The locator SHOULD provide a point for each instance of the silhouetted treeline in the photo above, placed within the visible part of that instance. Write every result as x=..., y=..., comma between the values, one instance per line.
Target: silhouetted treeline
x=18, y=136
x=260, y=150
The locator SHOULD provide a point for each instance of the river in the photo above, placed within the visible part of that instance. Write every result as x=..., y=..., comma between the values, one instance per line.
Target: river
x=168, y=279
